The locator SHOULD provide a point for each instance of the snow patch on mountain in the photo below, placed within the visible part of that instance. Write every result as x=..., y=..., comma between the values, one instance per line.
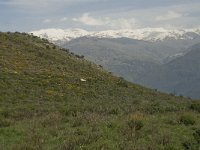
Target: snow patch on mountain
x=147, y=34
x=60, y=34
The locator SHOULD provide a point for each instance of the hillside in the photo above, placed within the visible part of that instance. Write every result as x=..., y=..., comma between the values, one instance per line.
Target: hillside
x=53, y=99
x=181, y=75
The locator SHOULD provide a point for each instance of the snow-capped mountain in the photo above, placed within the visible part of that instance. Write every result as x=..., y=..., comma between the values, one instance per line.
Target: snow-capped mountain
x=146, y=34
x=60, y=34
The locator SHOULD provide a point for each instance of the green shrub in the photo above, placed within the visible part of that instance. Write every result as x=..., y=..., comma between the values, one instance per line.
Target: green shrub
x=122, y=83
x=164, y=139
x=77, y=122
x=111, y=125
x=195, y=106
x=170, y=147
x=135, y=124
x=69, y=144
x=47, y=46
x=4, y=122
x=114, y=111
x=190, y=145
x=196, y=135
x=54, y=47
x=187, y=120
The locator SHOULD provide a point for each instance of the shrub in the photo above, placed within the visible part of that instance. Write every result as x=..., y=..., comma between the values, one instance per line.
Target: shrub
x=187, y=120
x=190, y=145
x=78, y=56
x=54, y=47
x=135, y=124
x=111, y=125
x=136, y=121
x=114, y=111
x=196, y=135
x=77, y=122
x=195, y=106
x=69, y=144
x=4, y=122
x=17, y=32
x=47, y=46
x=170, y=147
x=164, y=139
x=122, y=82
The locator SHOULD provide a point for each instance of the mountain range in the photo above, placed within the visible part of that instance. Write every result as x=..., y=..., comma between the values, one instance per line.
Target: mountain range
x=181, y=75
x=136, y=55
x=146, y=34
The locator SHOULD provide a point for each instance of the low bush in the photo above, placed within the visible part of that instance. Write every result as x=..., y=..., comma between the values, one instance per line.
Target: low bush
x=196, y=135
x=114, y=111
x=195, y=106
x=135, y=124
x=4, y=122
x=190, y=145
x=187, y=119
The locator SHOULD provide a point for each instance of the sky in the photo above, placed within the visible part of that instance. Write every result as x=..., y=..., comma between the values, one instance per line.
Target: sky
x=97, y=15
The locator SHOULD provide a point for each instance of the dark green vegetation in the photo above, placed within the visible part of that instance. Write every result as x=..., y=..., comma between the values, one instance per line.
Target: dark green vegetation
x=45, y=105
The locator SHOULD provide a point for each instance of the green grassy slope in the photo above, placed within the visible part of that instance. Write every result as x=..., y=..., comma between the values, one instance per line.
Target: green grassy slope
x=44, y=104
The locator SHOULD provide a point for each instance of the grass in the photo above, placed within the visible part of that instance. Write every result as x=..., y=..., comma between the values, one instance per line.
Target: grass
x=45, y=105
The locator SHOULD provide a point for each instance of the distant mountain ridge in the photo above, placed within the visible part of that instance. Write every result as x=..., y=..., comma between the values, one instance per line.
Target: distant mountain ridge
x=181, y=75
x=146, y=34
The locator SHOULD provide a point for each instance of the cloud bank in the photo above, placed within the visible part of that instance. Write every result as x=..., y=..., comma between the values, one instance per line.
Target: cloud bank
x=168, y=16
x=113, y=23
x=27, y=15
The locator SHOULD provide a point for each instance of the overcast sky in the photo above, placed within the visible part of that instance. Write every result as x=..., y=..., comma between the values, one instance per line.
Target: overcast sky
x=29, y=15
